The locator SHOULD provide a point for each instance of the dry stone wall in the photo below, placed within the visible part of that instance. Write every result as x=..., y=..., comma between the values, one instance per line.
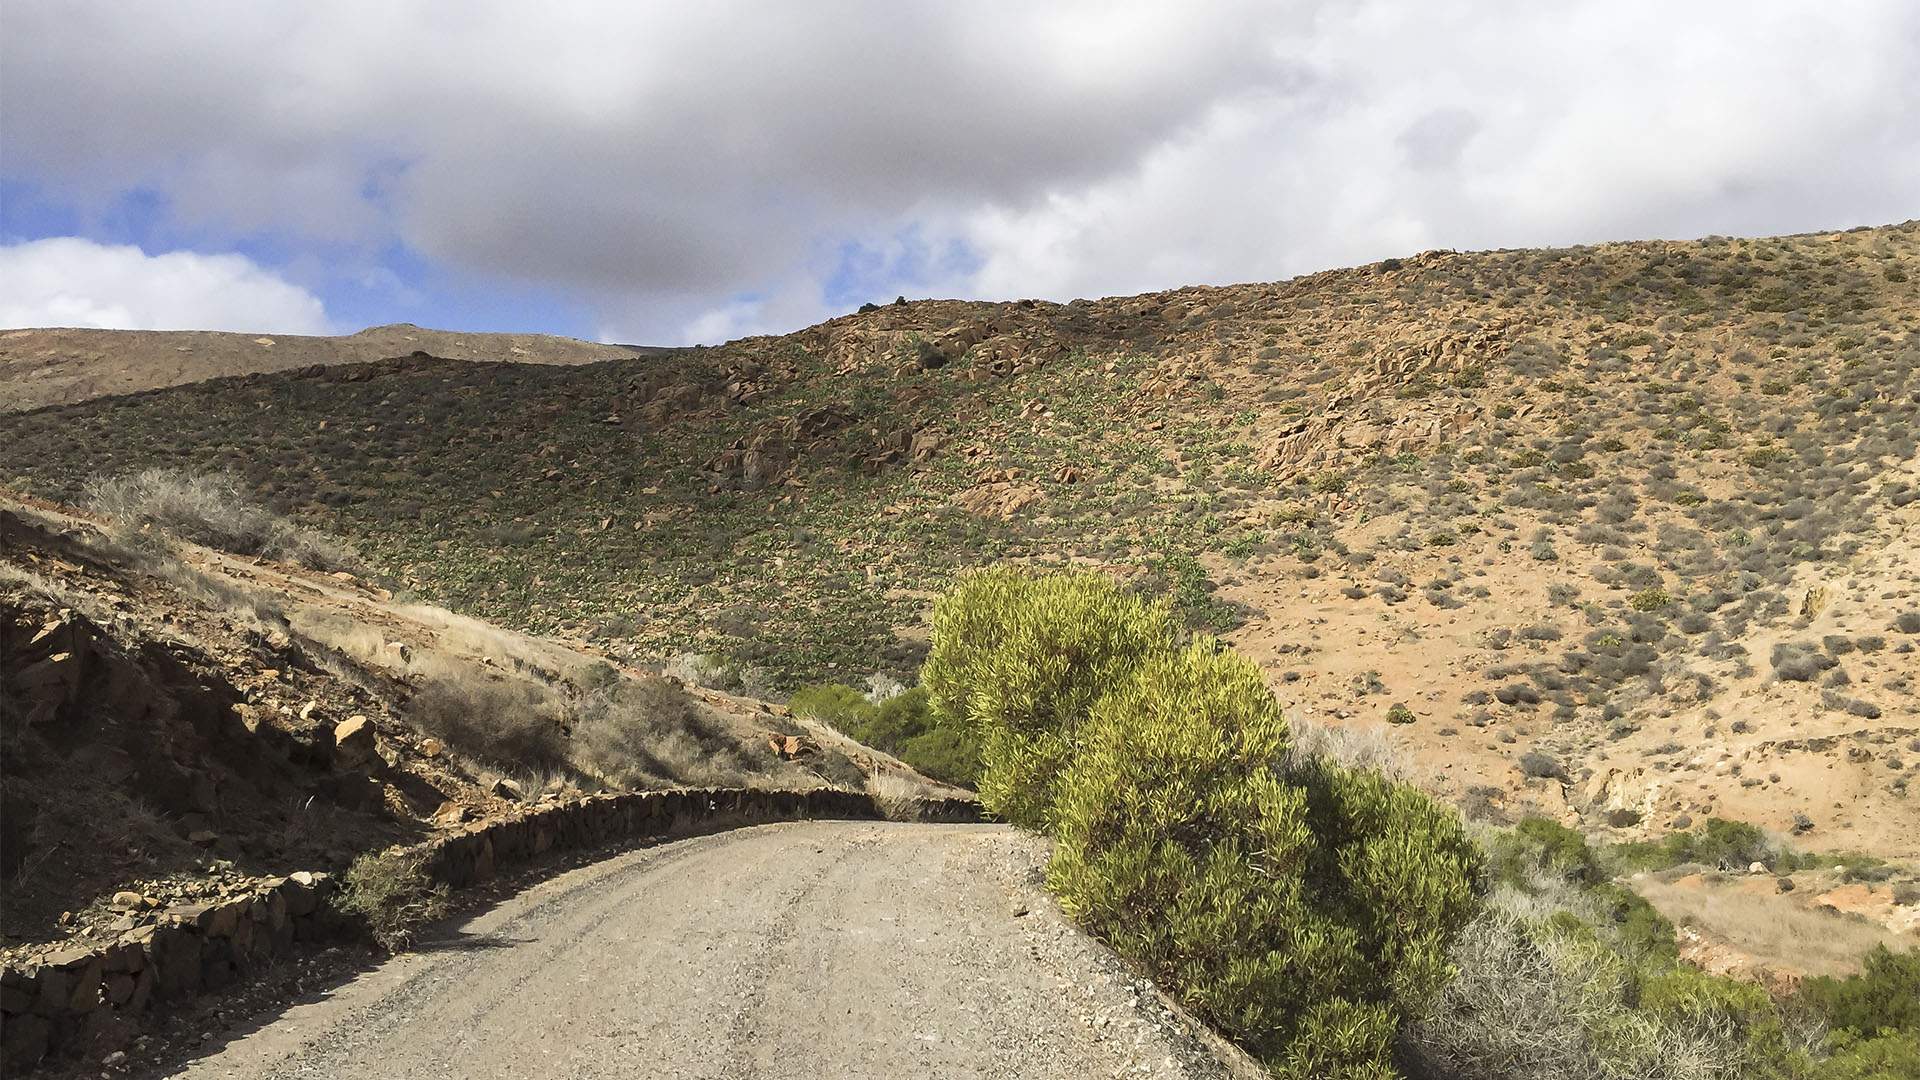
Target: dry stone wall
x=89, y=996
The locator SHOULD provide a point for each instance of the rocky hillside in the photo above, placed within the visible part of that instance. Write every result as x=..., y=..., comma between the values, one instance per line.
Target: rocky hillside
x=1624, y=532
x=178, y=724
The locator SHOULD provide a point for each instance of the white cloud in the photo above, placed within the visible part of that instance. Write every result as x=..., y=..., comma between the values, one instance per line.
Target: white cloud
x=67, y=281
x=661, y=162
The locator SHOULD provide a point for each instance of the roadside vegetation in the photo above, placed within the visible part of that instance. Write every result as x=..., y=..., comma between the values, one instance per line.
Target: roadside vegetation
x=391, y=894
x=1304, y=910
x=902, y=724
x=1335, y=922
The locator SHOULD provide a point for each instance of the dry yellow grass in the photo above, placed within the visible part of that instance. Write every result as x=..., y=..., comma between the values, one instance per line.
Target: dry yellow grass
x=1779, y=930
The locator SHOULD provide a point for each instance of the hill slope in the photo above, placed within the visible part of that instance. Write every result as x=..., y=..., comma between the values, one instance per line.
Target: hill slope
x=1628, y=529
x=181, y=722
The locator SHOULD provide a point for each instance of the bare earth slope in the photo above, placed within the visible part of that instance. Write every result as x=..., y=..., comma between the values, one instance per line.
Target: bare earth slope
x=796, y=950
x=49, y=367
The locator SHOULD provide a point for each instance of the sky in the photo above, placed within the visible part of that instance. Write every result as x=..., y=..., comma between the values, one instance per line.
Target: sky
x=655, y=173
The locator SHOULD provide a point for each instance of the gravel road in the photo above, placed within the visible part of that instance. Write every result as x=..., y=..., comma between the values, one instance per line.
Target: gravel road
x=807, y=949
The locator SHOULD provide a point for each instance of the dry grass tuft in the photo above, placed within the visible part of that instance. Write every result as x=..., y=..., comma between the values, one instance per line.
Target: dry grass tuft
x=1352, y=746
x=209, y=510
x=900, y=796
x=391, y=891
x=1775, y=930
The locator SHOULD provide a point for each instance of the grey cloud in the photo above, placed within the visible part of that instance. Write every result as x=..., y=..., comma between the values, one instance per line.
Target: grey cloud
x=663, y=162
x=1435, y=140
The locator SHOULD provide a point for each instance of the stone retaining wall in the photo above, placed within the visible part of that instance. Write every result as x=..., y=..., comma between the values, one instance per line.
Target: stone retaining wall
x=89, y=994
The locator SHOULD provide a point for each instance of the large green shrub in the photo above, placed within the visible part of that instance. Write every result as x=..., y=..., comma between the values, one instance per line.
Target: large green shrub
x=1887, y=1057
x=1021, y=658
x=1396, y=866
x=1302, y=906
x=1883, y=999
x=1302, y=918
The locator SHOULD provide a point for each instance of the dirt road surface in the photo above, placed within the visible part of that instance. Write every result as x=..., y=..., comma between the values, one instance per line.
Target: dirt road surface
x=808, y=949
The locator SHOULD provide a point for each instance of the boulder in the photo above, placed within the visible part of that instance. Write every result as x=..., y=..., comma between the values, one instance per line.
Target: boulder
x=353, y=744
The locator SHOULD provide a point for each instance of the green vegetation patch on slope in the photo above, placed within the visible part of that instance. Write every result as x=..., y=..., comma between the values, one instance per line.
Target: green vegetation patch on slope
x=904, y=725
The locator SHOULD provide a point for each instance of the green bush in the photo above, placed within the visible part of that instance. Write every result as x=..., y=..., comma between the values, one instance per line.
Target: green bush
x=1728, y=845
x=840, y=707
x=1302, y=913
x=1884, y=999
x=1539, y=843
x=1738, y=1018
x=1642, y=935
x=904, y=725
x=1649, y=599
x=1888, y=1057
x=1019, y=658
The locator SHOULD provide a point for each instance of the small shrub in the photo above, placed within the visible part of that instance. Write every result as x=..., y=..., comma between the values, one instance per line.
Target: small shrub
x=704, y=669
x=1331, y=482
x=1536, y=764
x=1799, y=663
x=1866, y=710
x=1652, y=599
x=1537, y=843
x=506, y=725
x=1727, y=845
x=632, y=733
x=1399, y=714
x=390, y=891
x=904, y=725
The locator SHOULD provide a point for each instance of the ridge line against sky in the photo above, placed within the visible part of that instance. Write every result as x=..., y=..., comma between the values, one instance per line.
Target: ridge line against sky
x=660, y=174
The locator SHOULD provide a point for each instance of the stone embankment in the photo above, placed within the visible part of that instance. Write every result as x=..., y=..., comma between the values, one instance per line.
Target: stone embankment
x=89, y=996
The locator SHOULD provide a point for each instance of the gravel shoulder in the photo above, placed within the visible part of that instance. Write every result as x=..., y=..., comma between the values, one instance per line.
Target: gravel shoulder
x=804, y=949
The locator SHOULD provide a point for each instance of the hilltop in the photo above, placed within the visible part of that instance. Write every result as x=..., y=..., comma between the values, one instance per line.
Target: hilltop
x=55, y=366
x=1623, y=532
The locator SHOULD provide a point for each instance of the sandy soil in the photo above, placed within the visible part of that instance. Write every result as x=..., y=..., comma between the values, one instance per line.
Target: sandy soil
x=793, y=950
